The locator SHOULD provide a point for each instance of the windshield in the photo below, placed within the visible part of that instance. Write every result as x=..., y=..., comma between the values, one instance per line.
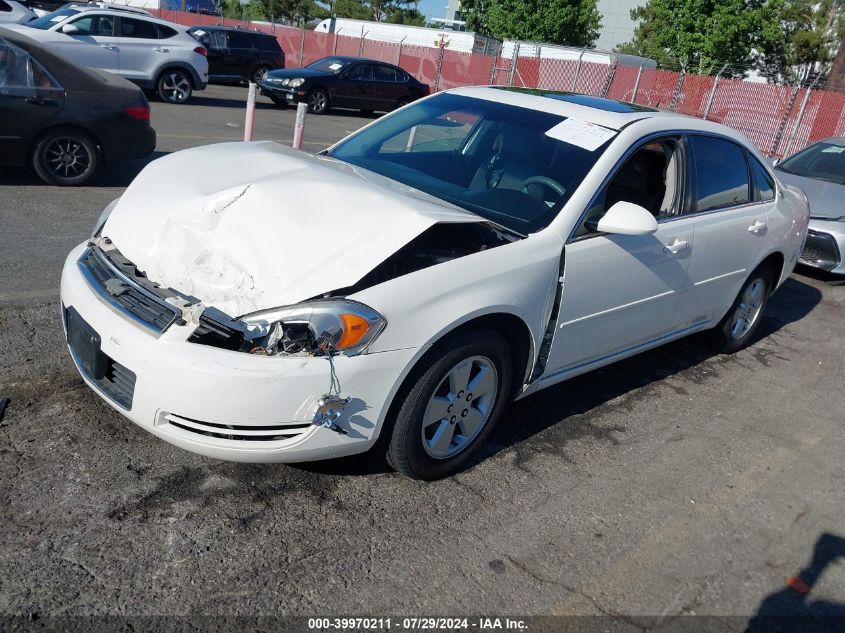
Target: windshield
x=823, y=161
x=329, y=64
x=45, y=22
x=502, y=162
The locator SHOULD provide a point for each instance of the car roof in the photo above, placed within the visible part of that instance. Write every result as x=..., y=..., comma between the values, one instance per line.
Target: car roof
x=605, y=112
x=219, y=27
x=104, y=6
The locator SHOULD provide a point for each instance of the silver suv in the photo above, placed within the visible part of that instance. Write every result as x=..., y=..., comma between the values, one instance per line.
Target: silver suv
x=153, y=53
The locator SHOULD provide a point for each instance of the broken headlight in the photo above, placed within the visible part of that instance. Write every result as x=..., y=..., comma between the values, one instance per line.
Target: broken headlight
x=318, y=327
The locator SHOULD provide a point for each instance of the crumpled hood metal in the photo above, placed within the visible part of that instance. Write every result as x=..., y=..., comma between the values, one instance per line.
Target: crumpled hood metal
x=250, y=226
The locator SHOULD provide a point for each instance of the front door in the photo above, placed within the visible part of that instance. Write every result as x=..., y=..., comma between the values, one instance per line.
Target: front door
x=93, y=44
x=620, y=291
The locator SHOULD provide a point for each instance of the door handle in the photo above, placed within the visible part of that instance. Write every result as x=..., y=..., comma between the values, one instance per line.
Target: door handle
x=677, y=246
x=159, y=49
x=42, y=101
x=108, y=47
x=757, y=227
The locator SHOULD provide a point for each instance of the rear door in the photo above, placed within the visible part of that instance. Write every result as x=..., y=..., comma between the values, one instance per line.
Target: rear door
x=387, y=89
x=94, y=45
x=142, y=47
x=242, y=55
x=731, y=221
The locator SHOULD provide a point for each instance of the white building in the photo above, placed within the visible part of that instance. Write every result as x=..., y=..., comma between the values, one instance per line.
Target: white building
x=617, y=27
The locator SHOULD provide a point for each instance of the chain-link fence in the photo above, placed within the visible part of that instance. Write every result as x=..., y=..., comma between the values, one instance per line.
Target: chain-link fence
x=778, y=119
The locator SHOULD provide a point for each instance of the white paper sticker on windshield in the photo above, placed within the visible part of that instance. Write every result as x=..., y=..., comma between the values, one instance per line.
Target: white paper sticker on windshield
x=335, y=66
x=581, y=134
x=198, y=33
x=58, y=18
x=833, y=149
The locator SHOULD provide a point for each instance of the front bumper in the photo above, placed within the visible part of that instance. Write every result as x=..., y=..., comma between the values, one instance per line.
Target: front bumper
x=289, y=95
x=230, y=405
x=824, y=246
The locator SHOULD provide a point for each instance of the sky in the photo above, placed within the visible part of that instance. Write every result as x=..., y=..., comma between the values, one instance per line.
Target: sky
x=433, y=8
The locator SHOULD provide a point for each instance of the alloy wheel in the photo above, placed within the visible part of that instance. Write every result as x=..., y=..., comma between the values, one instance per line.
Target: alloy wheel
x=67, y=157
x=460, y=407
x=176, y=88
x=317, y=101
x=749, y=308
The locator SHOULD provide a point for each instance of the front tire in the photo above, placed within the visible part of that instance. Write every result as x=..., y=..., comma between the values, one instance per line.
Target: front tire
x=318, y=101
x=451, y=410
x=65, y=157
x=174, y=86
x=737, y=328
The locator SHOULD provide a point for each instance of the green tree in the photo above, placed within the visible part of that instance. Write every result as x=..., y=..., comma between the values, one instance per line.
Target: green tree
x=705, y=34
x=812, y=31
x=568, y=22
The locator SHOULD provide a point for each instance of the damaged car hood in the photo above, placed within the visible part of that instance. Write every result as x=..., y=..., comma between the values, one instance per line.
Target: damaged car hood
x=250, y=226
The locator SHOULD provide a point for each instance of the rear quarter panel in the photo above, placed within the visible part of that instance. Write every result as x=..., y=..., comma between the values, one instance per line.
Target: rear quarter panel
x=787, y=226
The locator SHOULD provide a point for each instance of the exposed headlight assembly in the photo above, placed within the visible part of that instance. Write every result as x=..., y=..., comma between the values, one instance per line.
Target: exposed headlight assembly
x=296, y=83
x=314, y=328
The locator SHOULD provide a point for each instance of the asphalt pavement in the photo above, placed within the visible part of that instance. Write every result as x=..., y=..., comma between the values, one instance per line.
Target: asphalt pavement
x=674, y=483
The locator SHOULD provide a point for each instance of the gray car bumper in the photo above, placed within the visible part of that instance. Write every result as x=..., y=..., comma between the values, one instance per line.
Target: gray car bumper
x=825, y=245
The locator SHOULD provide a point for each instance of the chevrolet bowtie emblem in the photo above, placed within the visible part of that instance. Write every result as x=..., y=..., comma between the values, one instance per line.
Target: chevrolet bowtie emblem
x=116, y=288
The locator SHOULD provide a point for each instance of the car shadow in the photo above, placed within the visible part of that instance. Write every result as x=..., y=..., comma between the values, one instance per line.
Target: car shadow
x=526, y=418
x=793, y=608
x=220, y=102
x=117, y=174
x=820, y=275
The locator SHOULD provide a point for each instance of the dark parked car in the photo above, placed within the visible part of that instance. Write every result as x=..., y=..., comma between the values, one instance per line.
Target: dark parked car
x=206, y=7
x=236, y=55
x=66, y=120
x=343, y=82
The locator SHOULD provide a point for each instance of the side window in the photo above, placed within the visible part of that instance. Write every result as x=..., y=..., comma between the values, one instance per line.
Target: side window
x=95, y=25
x=721, y=173
x=361, y=72
x=15, y=71
x=384, y=73
x=5, y=8
x=41, y=79
x=165, y=32
x=264, y=43
x=138, y=29
x=764, y=186
x=651, y=177
x=239, y=40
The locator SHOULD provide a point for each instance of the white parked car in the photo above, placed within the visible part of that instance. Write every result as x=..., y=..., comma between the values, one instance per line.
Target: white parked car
x=152, y=53
x=255, y=303
x=14, y=12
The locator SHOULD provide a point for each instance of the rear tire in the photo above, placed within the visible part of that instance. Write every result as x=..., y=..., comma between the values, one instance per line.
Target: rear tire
x=174, y=86
x=736, y=329
x=317, y=100
x=402, y=103
x=65, y=157
x=453, y=406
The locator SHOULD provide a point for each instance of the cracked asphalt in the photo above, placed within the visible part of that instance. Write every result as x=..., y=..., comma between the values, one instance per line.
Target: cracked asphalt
x=677, y=482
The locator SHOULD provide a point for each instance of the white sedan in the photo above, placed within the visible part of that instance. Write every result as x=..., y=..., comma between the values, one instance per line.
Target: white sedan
x=255, y=303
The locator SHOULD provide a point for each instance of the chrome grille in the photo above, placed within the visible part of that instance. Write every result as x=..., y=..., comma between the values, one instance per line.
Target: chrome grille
x=820, y=250
x=124, y=294
x=239, y=432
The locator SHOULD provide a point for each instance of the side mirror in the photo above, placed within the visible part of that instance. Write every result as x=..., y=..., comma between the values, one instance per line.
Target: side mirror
x=627, y=218
x=69, y=29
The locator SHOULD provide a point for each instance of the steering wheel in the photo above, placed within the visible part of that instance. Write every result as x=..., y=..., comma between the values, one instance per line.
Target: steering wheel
x=554, y=185
x=495, y=169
